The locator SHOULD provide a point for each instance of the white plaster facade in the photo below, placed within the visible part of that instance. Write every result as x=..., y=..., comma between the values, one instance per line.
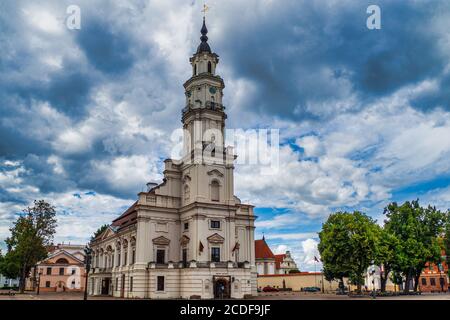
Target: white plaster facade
x=190, y=235
x=265, y=267
x=8, y=282
x=285, y=263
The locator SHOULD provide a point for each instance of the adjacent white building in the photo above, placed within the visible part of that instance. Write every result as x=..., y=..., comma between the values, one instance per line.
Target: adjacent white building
x=264, y=258
x=284, y=263
x=7, y=282
x=268, y=263
x=188, y=236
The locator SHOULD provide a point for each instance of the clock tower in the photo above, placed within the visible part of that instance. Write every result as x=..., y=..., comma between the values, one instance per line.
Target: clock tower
x=188, y=236
x=204, y=114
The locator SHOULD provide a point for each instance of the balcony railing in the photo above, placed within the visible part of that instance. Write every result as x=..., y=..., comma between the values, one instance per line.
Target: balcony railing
x=210, y=105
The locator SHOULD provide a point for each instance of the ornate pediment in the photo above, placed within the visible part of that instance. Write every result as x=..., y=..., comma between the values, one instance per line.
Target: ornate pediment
x=184, y=240
x=216, y=238
x=215, y=172
x=107, y=233
x=161, y=241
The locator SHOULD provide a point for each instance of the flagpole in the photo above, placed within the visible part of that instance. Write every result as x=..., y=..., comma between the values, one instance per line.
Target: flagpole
x=315, y=272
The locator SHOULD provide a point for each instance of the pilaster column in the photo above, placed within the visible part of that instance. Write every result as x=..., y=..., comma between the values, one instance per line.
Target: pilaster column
x=129, y=253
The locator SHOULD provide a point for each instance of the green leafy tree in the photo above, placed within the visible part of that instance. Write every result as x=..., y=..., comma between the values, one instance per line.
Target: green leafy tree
x=347, y=246
x=30, y=235
x=417, y=230
x=446, y=240
x=386, y=251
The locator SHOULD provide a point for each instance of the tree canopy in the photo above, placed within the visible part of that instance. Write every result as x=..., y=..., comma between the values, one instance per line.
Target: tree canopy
x=347, y=246
x=30, y=235
x=418, y=230
x=411, y=237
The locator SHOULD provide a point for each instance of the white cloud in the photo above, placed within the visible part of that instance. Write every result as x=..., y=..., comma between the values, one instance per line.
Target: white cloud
x=127, y=172
x=290, y=236
x=309, y=252
x=281, y=249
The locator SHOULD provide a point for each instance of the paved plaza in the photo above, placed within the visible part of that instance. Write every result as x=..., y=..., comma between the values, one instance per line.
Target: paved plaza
x=261, y=296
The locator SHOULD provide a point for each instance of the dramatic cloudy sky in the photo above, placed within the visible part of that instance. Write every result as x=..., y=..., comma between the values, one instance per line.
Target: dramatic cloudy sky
x=364, y=115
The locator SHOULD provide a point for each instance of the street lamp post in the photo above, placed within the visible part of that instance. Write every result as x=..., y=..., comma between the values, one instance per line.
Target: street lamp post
x=87, y=259
x=372, y=273
x=323, y=288
x=39, y=282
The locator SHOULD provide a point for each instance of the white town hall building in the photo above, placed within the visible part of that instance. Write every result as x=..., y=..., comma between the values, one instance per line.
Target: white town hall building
x=190, y=236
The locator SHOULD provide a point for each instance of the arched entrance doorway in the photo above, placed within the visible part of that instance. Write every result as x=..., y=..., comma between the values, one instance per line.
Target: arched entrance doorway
x=60, y=286
x=105, y=285
x=222, y=287
x=122, y=288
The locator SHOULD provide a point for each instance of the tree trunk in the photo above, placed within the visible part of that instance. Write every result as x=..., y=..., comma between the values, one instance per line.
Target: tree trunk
x=22, y=281
x=383, y=279
x=23, y=277
x=416, y=280
x=408, y=279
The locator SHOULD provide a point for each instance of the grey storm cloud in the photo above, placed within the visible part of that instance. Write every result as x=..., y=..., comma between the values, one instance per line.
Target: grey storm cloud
x=107, y=50
x=300, y=55
x=283, y=52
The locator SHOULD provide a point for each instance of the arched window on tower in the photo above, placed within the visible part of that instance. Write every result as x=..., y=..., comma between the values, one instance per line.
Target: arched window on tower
x=195, y=69
x=209, y=67
x=215, y=191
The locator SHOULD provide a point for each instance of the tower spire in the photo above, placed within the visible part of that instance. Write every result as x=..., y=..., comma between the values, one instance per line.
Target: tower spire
x=204, y=46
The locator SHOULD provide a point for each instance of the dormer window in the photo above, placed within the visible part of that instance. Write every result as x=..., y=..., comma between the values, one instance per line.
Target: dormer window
x=209, y=67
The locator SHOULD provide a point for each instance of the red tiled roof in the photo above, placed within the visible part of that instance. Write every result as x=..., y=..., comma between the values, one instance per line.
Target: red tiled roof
x=279, y=259
x=304, y=273
x=127, y=218
x=262, y=250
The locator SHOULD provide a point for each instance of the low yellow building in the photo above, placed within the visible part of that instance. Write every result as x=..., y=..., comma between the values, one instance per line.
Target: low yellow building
x=297, y=281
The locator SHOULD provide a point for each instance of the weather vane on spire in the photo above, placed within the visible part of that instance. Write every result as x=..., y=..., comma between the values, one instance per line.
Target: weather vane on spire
x=205, y=8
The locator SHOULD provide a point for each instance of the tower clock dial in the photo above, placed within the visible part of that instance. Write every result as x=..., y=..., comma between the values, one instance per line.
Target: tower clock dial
x=212, y=90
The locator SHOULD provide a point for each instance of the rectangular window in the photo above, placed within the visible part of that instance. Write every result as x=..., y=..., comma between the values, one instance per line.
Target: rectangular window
x=47, y=284
x=117, y=283
x=49, y=271
x=432, y=281
x=131, y=284
x=73, y=271
x=160, y=283
x=186, y=226
x=133, y=257
x=118, y=260
x=160, y=256
x=215, y=224
x=424, y=281
x=215, y=254
x=125, y=258
x=61, y=271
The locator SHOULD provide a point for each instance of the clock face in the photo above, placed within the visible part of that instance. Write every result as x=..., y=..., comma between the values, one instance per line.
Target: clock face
x=212, y=90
